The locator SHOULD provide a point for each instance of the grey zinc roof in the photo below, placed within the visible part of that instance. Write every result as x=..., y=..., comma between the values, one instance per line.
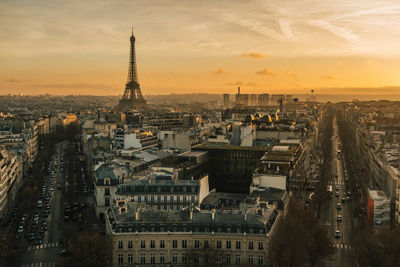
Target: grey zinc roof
x=114, y=171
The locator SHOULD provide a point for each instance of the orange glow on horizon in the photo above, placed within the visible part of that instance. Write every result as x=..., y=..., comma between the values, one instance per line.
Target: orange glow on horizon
x=81, y=48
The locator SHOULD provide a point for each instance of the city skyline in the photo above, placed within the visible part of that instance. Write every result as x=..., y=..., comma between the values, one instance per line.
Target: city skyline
x=81, y=47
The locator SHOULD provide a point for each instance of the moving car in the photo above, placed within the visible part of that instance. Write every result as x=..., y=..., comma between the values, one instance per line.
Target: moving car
x=337, y=234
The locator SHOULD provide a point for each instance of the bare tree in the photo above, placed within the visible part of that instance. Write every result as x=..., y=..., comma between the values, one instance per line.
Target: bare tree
x=89, y=249
x=299, y=239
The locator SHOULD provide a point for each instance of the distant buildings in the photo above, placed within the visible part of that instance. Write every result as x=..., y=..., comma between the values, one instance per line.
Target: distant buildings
x=263, y=99
x=260, y=100
x=226, y=101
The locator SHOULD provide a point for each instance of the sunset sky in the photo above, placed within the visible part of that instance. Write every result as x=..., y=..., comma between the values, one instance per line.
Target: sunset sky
x=187, y=46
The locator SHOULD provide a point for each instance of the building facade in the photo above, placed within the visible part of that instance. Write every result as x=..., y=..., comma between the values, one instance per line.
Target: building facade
x=180, y=238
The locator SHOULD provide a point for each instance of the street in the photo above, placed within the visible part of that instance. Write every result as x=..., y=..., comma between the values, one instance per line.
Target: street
x=338, y=216
x=45, y=253
x=66, y=202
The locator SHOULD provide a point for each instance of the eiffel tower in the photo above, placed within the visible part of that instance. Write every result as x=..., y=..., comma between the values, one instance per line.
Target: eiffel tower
x=132, y=97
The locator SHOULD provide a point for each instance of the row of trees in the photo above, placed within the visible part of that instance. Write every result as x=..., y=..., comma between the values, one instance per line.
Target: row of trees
x=89, y=248
x=299, y=240
x=325, y=170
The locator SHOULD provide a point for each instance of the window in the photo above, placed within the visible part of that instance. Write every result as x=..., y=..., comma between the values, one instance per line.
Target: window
x=142, y=258
x=206, y=258
x=250, y=259
x=237, y=244
x=260, y=245
x=228, y=244
x=120, y=259
x=162, y=258
x=184, y=244
x=162, y=244
x=107, y=202
x=139, y=198
x=183, y=258
x=260, y=260
x=219, y=244
x=206, y=244
x=196, y=259
x=130, y=244
x=228, y=259
x=152, y=258
x=251, y=245
x=120, y=245
x=143, y=244
x=130, y=258
x=174, y=258
x=174, y=243
x=219, y=258
x=237, y=257
x=152, y=244
x=197, y=243
x=106, y=191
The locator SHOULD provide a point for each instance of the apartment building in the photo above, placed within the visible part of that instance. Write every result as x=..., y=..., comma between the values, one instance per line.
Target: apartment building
x=160, y=190
x=177, y=238
x=11, y=173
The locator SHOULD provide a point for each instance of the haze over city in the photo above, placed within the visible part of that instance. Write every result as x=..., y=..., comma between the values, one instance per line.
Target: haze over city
x=81, y=47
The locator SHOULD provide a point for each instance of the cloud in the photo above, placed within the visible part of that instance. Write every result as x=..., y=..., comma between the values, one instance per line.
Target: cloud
x=285, y=28
x=238, y=83
x=75, y=86
x=220, y=71
x=253, y=84
x=327, y=77
x=265, y=72
x=253, y=55
x=291, y=74
x=11, y=80
x=340, y=32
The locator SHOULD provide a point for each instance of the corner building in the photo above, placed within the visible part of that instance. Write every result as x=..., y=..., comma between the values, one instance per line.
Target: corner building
x=190, y=237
